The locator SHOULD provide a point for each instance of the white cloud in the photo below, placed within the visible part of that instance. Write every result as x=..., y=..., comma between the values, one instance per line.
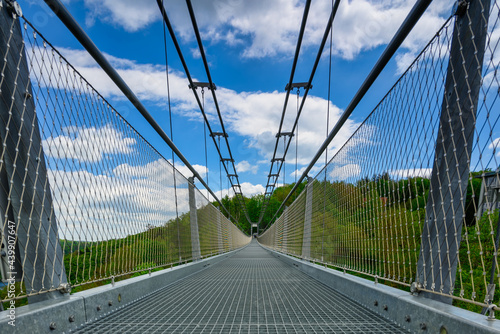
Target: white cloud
x=345, y=172
x=253, y=115
x=132, y=15
x=184, y=170
x=247, y=189
x=270, y=28
x=96, y=207
x=495, y=145
x=88, y=144
x=245, y=166
x=492, y=56
x=120, y=202
x=147, y=81
x=312, y=173
x=256, y=116
x=413, y=172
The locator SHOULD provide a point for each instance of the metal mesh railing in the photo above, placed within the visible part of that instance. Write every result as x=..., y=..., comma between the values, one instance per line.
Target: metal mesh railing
x=412, y=196
x=85, y=198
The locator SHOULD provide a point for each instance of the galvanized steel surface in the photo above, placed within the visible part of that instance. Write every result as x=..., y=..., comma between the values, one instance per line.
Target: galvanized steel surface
x=251, y=292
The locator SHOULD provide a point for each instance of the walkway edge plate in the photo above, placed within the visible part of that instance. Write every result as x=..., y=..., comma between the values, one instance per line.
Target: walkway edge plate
x=90, y=305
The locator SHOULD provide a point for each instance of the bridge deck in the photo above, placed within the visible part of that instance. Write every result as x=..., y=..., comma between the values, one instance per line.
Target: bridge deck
x=250, y=292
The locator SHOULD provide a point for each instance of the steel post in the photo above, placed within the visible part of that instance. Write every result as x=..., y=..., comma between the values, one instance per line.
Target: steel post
x=219, y=232
x=306, y=239
x=445, y=214
x=284, y=244
x=193, y=218
x=26, y=199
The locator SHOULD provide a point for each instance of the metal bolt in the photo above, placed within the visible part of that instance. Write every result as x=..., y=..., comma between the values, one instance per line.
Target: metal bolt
x=98, y=307
x=423, y=326
x=385, y=307
x=65, y=288
x=110, y=303
x=71, y=318
x=460, y=8
x=375, y=303
x=15, y=8
x=52, y=326
x=407, y=318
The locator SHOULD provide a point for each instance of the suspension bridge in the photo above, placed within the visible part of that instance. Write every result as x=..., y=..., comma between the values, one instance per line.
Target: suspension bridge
x=398, y=232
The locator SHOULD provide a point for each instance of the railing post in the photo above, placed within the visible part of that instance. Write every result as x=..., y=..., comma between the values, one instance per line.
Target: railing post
x=284, y=242
x=230, y=236
x=444, y=216
x=219, y=232
x=26, y=200
x=306, y=238
x=193, y=219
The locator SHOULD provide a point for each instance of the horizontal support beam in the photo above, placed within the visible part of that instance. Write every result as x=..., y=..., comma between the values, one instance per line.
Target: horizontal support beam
x=203, y=85
x=219, y=134
x=298, y=85
x=284, y=134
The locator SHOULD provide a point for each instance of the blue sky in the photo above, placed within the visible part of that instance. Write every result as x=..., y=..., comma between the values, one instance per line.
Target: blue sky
x=250, y=47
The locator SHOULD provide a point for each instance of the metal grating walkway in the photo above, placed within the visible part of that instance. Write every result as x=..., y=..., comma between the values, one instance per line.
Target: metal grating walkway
x=250, y=292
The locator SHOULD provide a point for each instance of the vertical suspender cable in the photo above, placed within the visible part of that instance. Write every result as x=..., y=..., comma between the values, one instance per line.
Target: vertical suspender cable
x=220, y=174
x=327, y=129
x=205, y=136
x=306, y=92
x=297, y=140
x=172, y=138
x=284, y=162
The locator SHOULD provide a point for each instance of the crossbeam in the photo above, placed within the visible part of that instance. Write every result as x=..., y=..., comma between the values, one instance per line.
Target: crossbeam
x=304, y=85
x=202, y=85
x=284, y=134
x=219, y=134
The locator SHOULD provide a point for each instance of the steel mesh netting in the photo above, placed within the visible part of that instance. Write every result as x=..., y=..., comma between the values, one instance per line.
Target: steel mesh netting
x=378, y=206
x=217, y=233
x=90, y=199
x=286, y=234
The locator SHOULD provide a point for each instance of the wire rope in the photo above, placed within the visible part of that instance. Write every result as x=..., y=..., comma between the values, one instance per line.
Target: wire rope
x=297, y=139
x=205, y=136
x=172, y=138
x=327, y=128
